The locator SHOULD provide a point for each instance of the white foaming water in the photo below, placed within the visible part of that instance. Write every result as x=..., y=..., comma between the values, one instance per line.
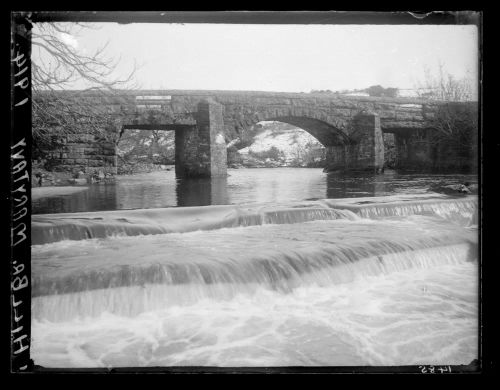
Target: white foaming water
x=300, y=285
x=417, y=316
x=462, y=212
x=80, y=226
x=48, y=228
x=140, y=296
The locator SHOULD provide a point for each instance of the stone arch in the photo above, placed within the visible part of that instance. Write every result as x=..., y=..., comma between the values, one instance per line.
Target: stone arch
x=325, y=133
x=320, y=122
x=353, y=142
x=358, y=145
x=337, y=143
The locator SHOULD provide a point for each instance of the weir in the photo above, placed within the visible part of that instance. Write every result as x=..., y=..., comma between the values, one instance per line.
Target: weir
x=463, y=211
x=303, y=283
x=48, y=228
x=208, y=251
x=131, y=291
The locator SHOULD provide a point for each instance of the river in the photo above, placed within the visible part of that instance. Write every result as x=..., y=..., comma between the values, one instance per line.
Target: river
x=242, y=186
x=270, y=267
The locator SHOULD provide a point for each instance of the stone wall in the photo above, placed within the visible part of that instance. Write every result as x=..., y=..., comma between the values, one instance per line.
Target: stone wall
x=369, y=146
x=389, y=150
x=186, y=152
x=413, y=151
x=83, y=152
x=364, y=152
x=336, y=157
x=218, y=148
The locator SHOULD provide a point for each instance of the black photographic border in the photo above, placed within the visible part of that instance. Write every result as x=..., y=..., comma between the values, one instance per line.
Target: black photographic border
x=20, y=168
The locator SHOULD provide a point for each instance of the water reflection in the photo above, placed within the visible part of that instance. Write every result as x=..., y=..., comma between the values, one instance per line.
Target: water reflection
x=97, y=197
x=154, y=190
x=357, y=184
x=257, y=185
x=202, y=192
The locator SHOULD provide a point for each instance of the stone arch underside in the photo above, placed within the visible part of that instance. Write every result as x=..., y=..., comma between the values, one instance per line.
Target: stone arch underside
x=329, y=127
x=325, y=133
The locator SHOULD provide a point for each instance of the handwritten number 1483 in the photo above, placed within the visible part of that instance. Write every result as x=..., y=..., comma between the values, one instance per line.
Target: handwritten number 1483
x=434, y=369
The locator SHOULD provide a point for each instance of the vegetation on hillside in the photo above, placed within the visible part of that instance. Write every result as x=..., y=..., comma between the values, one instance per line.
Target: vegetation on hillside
x=145, y=150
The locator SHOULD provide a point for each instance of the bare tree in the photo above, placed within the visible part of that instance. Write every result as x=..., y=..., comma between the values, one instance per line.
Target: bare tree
x=444, y=87
x=56, y=66
x=454, y=126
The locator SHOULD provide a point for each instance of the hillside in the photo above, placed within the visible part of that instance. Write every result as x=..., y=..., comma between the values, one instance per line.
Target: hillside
x=267, y=144
x=279, y=144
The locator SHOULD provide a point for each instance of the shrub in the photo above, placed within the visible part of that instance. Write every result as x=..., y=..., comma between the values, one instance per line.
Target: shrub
x=273, y=153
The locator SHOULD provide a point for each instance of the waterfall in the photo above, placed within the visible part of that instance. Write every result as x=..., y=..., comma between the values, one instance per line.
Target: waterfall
x=185, y=256
x=80, y=226
x=463, y=212
x=295, y=215
x=130, y=290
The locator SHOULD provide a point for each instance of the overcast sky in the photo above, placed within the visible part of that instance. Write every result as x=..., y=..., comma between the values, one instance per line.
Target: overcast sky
x=295, y=58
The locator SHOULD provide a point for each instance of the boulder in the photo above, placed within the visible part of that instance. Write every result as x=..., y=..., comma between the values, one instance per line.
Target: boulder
x=450, y=189
x=473, y=188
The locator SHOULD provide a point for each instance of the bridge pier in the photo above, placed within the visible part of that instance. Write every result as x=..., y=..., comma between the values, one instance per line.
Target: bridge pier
x=200, y=151
x=365, y=149
x=415, y=150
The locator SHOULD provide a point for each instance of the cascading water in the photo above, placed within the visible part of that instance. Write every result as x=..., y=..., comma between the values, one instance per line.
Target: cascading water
x=461, y=212
x=80, y=226
x=316, y=283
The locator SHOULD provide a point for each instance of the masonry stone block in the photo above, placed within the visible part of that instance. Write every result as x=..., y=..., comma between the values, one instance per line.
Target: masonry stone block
x=365, y=149
x=201, y=150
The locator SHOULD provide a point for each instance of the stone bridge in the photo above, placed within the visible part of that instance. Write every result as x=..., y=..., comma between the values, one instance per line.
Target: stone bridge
x=350, y=127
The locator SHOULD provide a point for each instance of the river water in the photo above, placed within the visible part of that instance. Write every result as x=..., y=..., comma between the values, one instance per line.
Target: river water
x=242, y=186
x=325, y=271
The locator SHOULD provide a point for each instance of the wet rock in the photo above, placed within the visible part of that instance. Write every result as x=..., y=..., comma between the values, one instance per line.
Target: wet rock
x=39, y=178
x=473, y=188
x=109, y=177
x=82, y=181
x=450, y=189
x=78, y=181
x=458, y=187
